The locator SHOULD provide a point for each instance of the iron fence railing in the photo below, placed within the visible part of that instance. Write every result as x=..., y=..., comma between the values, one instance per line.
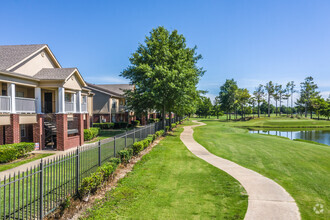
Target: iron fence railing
x=41, y=189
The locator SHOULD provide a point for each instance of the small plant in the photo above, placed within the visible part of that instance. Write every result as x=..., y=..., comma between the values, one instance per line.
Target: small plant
x=90, y=134
x=125, y=155
x=167, y=128
x=67, y=202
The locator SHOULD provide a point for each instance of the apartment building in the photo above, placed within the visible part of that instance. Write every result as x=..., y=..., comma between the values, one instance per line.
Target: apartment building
x=109, y=103
x=41, y=101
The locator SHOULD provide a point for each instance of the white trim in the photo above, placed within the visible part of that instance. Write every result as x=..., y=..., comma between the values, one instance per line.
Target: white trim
x=61, y=100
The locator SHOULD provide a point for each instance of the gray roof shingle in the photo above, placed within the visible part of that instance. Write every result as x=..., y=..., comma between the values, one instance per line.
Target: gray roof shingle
x=117, y=88
x=12, y=54
x=54, y=73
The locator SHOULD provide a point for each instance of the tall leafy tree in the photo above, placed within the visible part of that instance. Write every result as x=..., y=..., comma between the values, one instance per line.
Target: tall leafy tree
x=270, y=92
x=308, y=93
x=165, y=73
x=217, y=107
x=227, y=96
x=259, y=94
x=291, y=86
x=243, y=97
x=276, y=96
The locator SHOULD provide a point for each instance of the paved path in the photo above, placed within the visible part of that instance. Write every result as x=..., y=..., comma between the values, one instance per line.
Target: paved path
x=267, y=199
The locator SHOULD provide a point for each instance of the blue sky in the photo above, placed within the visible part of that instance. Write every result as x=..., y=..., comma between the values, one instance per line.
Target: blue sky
x=250, y=41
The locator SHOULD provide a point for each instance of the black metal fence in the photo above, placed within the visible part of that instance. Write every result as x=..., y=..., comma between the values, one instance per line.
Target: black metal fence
x=41, y=189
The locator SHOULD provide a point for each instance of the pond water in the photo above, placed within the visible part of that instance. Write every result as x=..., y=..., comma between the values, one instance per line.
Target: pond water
x=321, y=136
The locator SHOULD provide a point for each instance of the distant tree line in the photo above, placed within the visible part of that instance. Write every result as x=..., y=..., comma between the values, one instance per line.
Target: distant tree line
x=235, y=101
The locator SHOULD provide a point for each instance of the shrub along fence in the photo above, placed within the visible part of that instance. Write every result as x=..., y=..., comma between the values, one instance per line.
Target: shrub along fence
x=41, y=189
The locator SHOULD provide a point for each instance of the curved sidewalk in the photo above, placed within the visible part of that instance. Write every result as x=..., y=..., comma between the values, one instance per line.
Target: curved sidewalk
x=267, y=199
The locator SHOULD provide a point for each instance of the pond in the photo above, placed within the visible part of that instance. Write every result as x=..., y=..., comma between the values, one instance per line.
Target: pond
x=321, y=136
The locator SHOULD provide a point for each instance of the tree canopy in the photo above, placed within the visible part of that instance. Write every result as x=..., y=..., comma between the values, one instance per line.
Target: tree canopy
x=165, y=74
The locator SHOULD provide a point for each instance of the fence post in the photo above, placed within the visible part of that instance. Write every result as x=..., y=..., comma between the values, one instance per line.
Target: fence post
x=125, y=139
x=133, y=135
x=114, y=146
x=77, y=170
x=99, y=153
x=41, y=190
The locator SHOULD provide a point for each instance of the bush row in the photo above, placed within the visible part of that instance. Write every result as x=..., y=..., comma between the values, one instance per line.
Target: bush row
x=143, y=144
x=91, y=133
x=10, y=152
x=106, y=125
x=153, y=120
x=135, y=123
x=91, y=183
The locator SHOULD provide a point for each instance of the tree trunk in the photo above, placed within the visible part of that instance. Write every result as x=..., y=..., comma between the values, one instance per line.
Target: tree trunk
x=280, y=104
x=268, y=105
x=170, y=117
x=276, y=107
x=258, y=109
x=164, y=119
x=306, y=110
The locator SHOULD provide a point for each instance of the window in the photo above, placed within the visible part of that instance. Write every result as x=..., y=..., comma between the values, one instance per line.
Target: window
x=19, y=94
x=68, y=97
x=84, y=99
x=23, y=130
x=114, y=103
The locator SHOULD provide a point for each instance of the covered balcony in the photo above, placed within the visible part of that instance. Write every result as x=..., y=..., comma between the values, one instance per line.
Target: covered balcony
x=17, y=98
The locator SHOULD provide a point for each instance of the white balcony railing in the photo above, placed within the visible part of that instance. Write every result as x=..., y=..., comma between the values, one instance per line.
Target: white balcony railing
x=4, y=104
x=25, y=105
x=83, y=107
x=69, y=107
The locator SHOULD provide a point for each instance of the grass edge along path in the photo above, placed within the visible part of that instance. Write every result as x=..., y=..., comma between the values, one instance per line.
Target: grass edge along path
x=22, y=161
x=300, y=168
x=171, y=183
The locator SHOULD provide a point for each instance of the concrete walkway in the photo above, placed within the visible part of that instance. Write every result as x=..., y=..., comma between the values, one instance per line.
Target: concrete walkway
x=267, y=199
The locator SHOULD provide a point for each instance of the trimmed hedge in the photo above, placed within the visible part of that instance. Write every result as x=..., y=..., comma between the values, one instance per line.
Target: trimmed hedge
x=119, y=125
x=106, y=125
x=90, y=134
x=10, y=152
x=152, y=120
x=125, y=155
x=135, y=123
x=91, y=183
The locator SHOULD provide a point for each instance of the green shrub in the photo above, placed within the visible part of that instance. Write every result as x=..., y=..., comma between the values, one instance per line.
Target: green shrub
x=10, y=152
x=135, y=123
x=106, y=125
x=125, y=155
x=153, y=120
x=115, y=162
x=106, y=169
x=119, y=125
x=173, y=125
x=91, y=133
x=160, y=133
x=137, y=147
x=167, y=128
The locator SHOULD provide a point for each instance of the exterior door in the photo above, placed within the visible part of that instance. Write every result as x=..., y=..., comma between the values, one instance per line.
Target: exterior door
x=48, y=100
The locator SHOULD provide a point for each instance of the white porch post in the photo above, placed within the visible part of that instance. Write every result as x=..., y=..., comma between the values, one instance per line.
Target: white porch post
x=61, y=99
x=12, y=95
x=37, y=95
x=74, y=102
x=79, y=102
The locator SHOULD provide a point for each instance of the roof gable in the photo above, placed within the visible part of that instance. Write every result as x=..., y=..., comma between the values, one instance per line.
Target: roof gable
x=13, y=55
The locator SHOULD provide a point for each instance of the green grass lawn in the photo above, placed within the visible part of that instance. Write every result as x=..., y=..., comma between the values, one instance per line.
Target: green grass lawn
x=171, y=183
x=14, y=164
x=301, y=168
x=104, y=134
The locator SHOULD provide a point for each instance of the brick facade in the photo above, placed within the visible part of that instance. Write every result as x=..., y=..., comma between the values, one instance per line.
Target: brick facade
x=13, y=131
x=39, y=132
x=80, y=118
x=1, y=135
x=97, y=118
x=87, y=121
x=62, y=131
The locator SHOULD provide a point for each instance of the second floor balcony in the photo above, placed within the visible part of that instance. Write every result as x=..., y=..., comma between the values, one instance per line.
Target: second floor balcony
x=22, y=105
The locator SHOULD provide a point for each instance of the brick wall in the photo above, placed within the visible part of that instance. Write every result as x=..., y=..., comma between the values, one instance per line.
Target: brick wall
x=96, y=117
x=62, y=131
x=80, y=118
x=13, y=130
x=1, y=135
x=39, y=132
x=87, y=121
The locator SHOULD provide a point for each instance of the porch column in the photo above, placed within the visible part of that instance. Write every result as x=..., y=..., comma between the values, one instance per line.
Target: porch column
x=61, y=99
x=37, y=95
x=12, y=95
x=75, y=104
x=79, y=102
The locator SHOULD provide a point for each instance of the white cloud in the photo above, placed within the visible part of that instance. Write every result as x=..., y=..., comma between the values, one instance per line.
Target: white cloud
x=325, y=94
x=106, y=79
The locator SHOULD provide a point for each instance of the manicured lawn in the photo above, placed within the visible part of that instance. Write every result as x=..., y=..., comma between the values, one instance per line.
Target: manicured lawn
x=14, y=164
x=171, y=183
x=104, y=134
x=301, y=168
